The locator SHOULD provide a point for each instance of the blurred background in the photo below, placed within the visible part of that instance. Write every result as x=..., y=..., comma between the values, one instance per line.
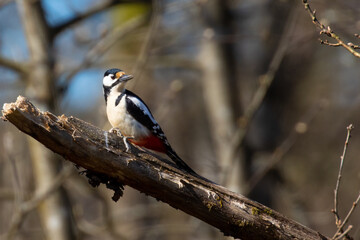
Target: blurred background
x=244, y=91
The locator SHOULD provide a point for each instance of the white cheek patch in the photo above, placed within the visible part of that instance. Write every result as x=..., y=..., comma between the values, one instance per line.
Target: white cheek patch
x=108, y=81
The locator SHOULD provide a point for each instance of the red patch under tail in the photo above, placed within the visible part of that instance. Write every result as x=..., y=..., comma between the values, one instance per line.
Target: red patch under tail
x=151, y=142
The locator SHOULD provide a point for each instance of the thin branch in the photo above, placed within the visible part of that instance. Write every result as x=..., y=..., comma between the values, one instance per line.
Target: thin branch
x=18, y=67
x=142, y=58
x=340, y=228
x=104, y=153
x=353, y=45
x=344, y=234
x=279, y=153
x=105, y=43
x=329, y=32
x=336, y=191
x=341, y=224
x=97, y=9
x=265, y=82
x=326, y=42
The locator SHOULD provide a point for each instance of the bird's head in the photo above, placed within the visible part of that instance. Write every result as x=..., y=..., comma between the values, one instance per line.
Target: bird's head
x=115, y=77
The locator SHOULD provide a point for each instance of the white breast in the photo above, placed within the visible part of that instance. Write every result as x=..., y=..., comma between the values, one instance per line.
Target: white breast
x=121, y=119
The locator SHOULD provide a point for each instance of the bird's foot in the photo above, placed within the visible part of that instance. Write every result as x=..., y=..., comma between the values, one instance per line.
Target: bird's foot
x=125, y=138
x=116, y=131
x=127, y=143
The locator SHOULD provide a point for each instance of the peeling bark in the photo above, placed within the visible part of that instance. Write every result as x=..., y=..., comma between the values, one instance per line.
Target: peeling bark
x=102, y=152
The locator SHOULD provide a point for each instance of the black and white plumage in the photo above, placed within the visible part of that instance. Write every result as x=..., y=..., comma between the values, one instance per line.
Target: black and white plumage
x=132, y=117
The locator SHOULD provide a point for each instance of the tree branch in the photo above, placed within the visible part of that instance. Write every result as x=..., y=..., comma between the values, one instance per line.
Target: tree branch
x=103, y=153
x=97, y=9
x=18, y=67
x=340, y=233
x=105, y=5
x=330, y=33
x=336, y=191
x=340, y=227
x=279, y=153
x=104, y=44
x=144, y=53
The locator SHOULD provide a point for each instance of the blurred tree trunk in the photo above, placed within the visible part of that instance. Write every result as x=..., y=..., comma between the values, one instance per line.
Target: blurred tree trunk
x=217, y=68
x=40, y=87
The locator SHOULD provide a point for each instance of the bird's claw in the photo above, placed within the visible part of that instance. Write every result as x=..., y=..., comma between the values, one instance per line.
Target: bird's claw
x=125, y=139
x=116, y=131
x=126, y=143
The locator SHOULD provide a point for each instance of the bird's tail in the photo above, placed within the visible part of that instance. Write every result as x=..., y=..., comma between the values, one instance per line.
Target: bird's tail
x=179, y=162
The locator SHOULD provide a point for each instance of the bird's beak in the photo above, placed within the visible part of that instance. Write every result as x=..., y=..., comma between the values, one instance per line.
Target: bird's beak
x=125, y=78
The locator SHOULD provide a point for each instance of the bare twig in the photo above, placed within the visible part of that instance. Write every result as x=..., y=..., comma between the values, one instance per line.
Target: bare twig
x=353, y=45
x=18, y=67
x=141, y=61
x=336, y=191
x=326, y=42
x=330, y=33
x=340, y=233
x=344, y=233
x=97, y=9
x=265, y=82
x=105, y=43
x=279, y=153
x=340, y=228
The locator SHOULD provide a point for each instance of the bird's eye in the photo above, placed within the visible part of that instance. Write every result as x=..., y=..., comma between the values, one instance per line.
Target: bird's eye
x=113, y=77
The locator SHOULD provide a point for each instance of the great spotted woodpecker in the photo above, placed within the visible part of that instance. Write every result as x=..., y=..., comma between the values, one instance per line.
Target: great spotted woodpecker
x=129, y=115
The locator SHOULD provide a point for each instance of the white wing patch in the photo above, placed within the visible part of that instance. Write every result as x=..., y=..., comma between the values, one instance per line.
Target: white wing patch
x=144, y=109
x=138, y=109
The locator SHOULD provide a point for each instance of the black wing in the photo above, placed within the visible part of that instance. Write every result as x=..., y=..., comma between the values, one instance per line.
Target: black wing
x=140, y=111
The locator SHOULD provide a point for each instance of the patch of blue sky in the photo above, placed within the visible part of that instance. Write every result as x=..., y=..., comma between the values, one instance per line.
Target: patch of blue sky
x=72, y=45
x=67, y=52
x=12, y=38
x=84, y=91
x=7, y=76
x=58, y=12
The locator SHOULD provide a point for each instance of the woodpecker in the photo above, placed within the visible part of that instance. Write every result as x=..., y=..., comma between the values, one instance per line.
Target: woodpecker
x=130, y=116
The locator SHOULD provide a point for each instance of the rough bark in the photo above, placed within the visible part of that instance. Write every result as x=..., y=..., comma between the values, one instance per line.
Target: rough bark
x=103, y=153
